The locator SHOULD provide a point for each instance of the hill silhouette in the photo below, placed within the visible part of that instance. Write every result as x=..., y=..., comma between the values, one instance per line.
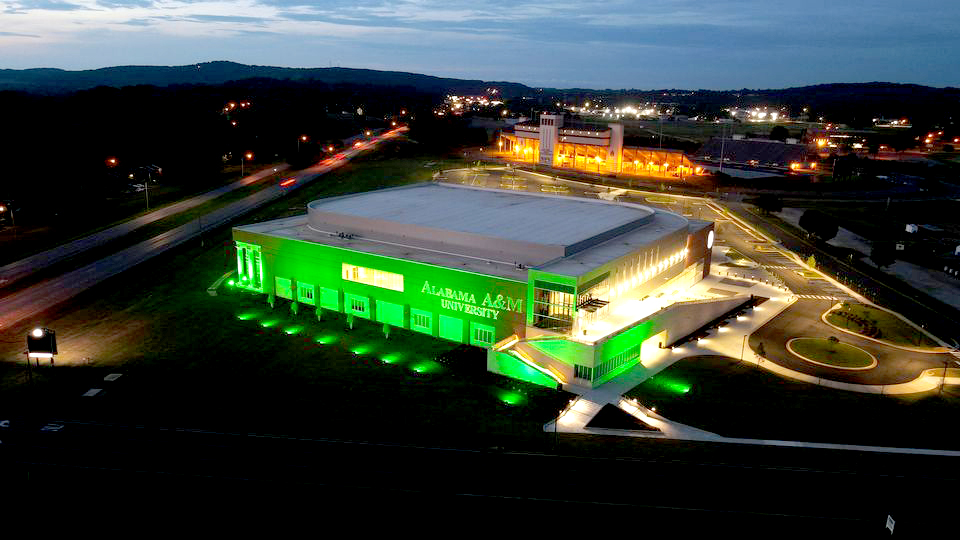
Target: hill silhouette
x=52, y=81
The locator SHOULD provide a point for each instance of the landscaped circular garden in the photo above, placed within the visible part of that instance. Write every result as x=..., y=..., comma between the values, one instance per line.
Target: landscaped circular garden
x=831, y=353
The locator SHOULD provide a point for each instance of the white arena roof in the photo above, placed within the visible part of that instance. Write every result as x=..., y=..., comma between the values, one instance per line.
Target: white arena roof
x=540, y=219
x=482, y=230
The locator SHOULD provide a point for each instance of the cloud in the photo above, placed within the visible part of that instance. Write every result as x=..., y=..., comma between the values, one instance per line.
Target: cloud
x=126, y=3
x=17, y=34
x=224, y=18
x=49, y=5
x=138, y=22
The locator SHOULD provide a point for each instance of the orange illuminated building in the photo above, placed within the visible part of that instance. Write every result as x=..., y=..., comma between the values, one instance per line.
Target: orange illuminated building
x=593, y=148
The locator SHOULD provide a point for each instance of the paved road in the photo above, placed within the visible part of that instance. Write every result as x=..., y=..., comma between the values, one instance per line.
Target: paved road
x=802, y=319
x=17, y=270
x=33, y=300
x=907, y=300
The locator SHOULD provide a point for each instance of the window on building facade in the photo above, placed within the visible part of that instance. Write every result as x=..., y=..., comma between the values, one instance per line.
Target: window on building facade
x=421, y=321
x=582, y=372
x=357, y=305
x=370, y=276
x=305, y=293
x=552, y=309
x=249, y=266
x=483, y=335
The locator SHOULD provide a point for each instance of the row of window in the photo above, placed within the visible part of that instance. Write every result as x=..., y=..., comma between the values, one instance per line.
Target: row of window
x=617, y=361
x=387, y=312
x=371, y=276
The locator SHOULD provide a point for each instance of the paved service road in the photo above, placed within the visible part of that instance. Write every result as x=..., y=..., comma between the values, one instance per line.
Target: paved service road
x=802, y=319
x=35, y=299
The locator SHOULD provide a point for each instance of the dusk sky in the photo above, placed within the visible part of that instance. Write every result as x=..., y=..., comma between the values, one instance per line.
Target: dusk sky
x=718, y=44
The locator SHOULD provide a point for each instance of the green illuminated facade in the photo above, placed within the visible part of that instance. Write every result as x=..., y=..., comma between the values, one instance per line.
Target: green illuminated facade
x=531, y=278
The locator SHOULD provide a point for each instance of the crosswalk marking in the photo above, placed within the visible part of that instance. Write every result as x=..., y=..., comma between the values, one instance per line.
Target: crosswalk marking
x=822, y=297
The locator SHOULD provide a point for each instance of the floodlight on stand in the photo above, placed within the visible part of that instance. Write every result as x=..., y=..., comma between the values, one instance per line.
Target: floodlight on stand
x=41, y=343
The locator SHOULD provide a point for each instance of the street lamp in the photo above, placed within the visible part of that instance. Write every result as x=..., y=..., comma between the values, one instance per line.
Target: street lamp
x=13, y=221
x=300, y=138
x=248, y=155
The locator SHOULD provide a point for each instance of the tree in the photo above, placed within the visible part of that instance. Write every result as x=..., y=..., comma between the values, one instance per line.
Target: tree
x=779, y=133
x=902, y=142
x=820, y=225
x=883, y=254
x=768, y=203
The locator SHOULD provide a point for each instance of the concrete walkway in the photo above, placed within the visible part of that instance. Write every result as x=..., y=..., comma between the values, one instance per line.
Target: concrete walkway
x=729, y=341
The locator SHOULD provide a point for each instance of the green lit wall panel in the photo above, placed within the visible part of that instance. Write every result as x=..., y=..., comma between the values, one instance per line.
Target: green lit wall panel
x=470, y=297
x=568, y=352
x=629, y=338
x=330, y=298
x=451, y=328
x=507, y=364
x=390, y=313
x=283, y=288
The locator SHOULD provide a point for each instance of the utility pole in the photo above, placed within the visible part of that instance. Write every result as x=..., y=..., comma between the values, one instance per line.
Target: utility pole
x=721, y=147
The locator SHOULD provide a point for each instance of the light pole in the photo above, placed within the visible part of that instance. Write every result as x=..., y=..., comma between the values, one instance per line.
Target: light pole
x=4, y=208
x=300, y=138
x=248, y=155
x=944, y=381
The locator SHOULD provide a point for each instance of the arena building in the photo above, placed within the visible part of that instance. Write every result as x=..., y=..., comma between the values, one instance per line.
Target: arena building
x=553, y=141
x=557, y=289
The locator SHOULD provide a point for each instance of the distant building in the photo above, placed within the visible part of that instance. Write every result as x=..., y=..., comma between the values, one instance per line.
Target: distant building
x=555, y=141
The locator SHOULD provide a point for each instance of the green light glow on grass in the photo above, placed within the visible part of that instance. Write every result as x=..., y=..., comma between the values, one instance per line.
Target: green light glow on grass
x=231, y=283
x=391, y=358
x=325, y=339
x=510, y=397
x=246, y=316
x=363, y=348
x=426, y=367
x=269, y=323
x=672, y=385
x=292, y=330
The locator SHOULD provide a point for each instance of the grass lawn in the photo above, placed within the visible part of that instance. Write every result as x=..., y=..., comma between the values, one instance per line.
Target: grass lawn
x=735, y=399
x=878, y=324
x=229, y=363
x=824, y=351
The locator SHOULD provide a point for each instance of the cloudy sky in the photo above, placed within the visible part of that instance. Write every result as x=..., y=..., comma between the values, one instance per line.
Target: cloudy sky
x=715, y=44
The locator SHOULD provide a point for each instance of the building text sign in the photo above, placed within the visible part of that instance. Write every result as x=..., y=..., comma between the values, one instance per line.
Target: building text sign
x=466, y=302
